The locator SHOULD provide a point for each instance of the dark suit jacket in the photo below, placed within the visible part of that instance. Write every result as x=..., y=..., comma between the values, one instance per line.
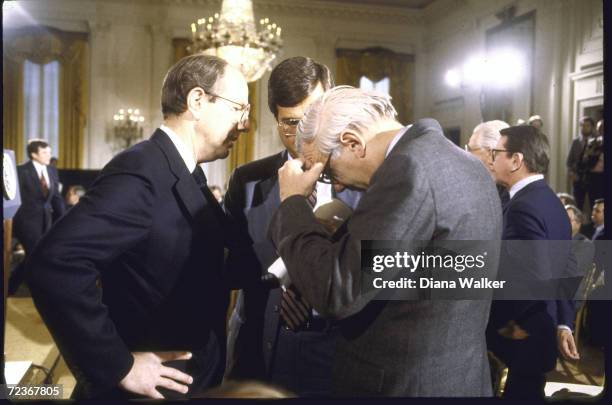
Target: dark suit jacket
x=146, y=231
x=426, y=189
x=36, y=213
x=251, y=200
x=533, y=215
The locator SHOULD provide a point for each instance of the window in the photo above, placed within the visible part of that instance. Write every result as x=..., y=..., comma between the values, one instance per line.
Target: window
x=381, y=85
x=41, y=103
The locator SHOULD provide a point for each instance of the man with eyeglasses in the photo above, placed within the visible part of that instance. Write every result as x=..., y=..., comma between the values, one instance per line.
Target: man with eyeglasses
x=523, y=333
x=273, y=333
x=131, y=283
x=417, y=186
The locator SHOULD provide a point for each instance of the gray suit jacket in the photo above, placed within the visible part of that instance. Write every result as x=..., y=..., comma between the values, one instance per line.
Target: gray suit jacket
x=426, y=189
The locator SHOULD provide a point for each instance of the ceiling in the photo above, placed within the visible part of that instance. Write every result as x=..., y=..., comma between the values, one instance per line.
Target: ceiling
x=409, y=4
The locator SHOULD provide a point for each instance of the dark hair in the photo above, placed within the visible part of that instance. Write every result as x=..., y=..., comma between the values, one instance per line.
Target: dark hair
x=189, y=72
x=589, y=119
x=34, y=145
x=598, y=201
x=532, y=143
x=292, y=81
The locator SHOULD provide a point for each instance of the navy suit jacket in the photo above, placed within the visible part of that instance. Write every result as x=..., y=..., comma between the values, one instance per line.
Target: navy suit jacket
x=251, y=201
x=156, y=245
x=37, y=212
x=534, y=214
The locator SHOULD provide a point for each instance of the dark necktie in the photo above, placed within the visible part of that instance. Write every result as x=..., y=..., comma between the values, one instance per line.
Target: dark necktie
x=200, y=179
x=44, y=186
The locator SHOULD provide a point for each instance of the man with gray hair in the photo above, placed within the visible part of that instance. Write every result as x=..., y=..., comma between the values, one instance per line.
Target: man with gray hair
x=418, y=186
x=483, y=139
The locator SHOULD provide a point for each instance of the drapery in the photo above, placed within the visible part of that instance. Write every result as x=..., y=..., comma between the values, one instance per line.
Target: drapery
x=376, y=64
x=42, y=45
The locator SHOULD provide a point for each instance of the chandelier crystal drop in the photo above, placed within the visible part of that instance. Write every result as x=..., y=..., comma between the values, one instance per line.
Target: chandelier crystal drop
x=232, y=35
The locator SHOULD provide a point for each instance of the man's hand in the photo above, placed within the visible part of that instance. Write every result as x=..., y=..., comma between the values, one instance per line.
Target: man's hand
x=567, y=344
x=148, y=372
x=292, y=180
x=513, y=331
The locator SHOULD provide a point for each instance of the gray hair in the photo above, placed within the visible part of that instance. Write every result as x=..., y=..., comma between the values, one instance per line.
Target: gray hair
x=577, y=213
x=340, y=109
x=487, y=133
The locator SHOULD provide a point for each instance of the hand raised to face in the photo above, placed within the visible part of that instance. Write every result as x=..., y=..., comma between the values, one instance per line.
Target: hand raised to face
x=293, y=180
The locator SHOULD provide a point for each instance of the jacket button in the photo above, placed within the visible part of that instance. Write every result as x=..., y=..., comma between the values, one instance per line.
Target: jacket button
x=269, y=345
x=276, y=308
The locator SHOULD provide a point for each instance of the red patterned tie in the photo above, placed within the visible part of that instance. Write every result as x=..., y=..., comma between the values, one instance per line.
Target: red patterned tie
x=44, y=186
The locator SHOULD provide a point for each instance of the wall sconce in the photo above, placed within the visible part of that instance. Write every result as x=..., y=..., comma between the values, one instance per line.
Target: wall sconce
x=127, y=127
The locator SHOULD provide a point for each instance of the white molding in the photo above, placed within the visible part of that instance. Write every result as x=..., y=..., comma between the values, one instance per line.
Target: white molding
x=312, y=8
x=588, y=73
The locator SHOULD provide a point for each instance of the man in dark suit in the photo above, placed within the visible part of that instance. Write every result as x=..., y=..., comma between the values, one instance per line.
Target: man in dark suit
x=131, y=282
x=295, y=352
x=418, y=186
x=576, y=170
x=41, y=201
x=523, y=333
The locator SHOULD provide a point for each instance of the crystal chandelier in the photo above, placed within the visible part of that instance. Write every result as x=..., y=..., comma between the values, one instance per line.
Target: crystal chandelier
x=233, y=37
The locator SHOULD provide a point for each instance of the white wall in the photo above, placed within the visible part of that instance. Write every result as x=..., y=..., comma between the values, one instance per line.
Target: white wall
x=568, y=65
x=131, y=49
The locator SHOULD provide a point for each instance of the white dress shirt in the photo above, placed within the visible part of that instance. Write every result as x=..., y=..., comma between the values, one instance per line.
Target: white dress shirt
x=183, y=149
x=41, y=170
x=519, y=185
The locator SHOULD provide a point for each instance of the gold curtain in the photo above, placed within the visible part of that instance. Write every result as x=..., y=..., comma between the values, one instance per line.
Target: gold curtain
x=376, y=64
x=42, y=45
x=242, y=152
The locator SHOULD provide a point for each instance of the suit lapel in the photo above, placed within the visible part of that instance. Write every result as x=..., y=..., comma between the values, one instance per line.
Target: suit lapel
x=186, y=188
x=269, y=185
x=36, y=180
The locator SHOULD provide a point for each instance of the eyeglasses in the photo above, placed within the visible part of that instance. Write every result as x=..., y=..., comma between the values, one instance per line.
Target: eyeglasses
x=494, y=151
x=325, y=176
x=288, y=126
x=244, y=108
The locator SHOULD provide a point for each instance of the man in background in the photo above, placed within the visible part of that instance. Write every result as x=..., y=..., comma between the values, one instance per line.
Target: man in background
x=577, y=171
x=131, y=283
x=274, y=334
x=41, y=201
x=523, y=333
x=597, y=216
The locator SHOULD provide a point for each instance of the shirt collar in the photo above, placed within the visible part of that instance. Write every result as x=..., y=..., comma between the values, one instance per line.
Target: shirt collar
x=40, y=168
x=519, y=185
x=396, y=139
x=181, y=147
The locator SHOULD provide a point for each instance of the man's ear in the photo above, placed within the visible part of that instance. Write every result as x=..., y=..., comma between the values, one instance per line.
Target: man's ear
x=517, y=161
x=353, y=142
x=195, y=102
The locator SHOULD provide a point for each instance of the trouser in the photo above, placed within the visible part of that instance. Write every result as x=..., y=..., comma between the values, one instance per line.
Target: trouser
x=522, y=385
x=303, y=360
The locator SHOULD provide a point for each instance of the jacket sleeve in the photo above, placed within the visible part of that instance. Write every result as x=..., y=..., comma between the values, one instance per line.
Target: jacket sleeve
x=65, y=268
x=327, y=269
x=242, y=265
x=57, y=202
